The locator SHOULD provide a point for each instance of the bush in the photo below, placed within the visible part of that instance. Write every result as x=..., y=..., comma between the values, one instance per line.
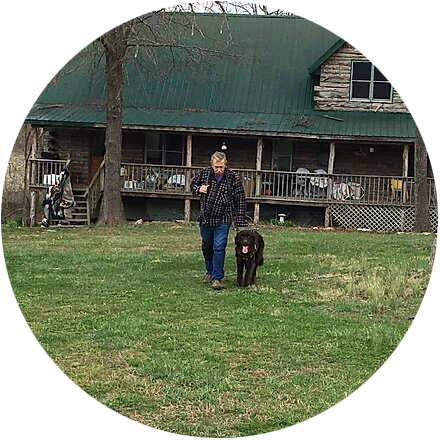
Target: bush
x=17, y=223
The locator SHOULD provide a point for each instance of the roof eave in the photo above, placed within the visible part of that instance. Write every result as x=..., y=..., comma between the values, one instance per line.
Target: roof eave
x=232, y=132
x=313, y=69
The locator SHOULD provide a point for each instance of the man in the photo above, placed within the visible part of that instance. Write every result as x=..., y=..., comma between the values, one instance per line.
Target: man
x=222, y=201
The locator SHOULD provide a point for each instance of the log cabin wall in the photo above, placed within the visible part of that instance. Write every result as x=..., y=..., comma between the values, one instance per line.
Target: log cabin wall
x=75, y=144
x=290, y=154
x=241, y=152
x=357, y=159
x=133, y=146
x=310, y=155
x=430, y=172
x=350, y=158
x=333, y=91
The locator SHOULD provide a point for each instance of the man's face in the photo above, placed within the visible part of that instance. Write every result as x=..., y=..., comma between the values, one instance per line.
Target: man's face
x=219, y=167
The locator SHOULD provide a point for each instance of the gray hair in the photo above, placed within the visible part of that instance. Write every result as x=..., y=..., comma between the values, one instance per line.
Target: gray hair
x=218, y=155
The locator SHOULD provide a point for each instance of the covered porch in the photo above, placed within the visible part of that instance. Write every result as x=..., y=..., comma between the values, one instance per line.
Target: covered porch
x=331, y=191
x=348, y=178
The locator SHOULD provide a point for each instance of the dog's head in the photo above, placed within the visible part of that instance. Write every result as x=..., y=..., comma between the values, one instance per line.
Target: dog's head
x=246, y=243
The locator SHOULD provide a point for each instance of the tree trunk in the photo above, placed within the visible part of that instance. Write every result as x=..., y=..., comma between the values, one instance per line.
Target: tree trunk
x=422, y=220
x=33, y=170
x=432, y=256
x=112, y=210
x=27, y=150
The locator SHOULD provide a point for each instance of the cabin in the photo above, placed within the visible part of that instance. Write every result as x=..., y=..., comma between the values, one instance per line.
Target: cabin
x=317, y=133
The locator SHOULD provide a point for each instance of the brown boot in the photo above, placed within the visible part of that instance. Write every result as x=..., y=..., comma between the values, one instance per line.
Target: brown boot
x=216, y=285
x=206, y=279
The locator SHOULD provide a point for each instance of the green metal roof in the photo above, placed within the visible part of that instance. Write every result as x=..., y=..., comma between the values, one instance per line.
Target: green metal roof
x=321, y=124
x=262, y=86
x=317, y=64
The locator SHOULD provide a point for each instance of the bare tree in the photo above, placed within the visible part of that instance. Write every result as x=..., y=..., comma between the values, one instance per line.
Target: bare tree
x=148, y=33
x=15, y=200
x=115, y=45
x=26, y=221
x=233, y=8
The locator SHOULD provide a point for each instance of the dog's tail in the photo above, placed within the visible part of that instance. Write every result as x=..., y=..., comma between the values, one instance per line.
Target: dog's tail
x=261, y=261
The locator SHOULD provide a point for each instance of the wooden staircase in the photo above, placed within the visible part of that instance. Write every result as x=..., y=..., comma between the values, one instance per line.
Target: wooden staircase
x=86, y=202
x=78, y=215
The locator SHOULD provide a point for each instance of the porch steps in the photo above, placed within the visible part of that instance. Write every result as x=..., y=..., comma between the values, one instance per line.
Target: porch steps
x=78, y=216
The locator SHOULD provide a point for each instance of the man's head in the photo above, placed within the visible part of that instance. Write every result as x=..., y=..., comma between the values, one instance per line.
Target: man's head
x=218, y=163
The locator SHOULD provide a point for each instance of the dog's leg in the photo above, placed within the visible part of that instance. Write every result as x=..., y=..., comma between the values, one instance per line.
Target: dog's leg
x=250, y=265
x=240, y=267
x=254, y=273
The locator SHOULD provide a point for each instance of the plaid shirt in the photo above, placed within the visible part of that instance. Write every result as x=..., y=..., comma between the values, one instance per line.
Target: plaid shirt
x=224, y=202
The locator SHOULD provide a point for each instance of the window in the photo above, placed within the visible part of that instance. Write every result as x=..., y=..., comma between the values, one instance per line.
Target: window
x=153, y=148
x=164, y=149
x=282, y=155
x=368, y=83
x=174, y=149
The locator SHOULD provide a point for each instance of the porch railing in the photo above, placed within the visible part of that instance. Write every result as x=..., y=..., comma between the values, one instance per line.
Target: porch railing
x=258, y=185
x=44, y=172
x=94, y=191
x=307, y=187
x=157, y=178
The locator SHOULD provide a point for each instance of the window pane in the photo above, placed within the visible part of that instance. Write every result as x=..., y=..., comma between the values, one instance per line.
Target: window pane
x=360, y=90
x=153, y=140
x=361, y=70
x=281, y=163
x=174, y=142
x=378, y=75
x=283, y=147
x=382, y=91
x=173, y=158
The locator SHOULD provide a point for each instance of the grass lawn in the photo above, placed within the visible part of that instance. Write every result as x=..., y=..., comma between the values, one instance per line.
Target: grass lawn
x=124, y=314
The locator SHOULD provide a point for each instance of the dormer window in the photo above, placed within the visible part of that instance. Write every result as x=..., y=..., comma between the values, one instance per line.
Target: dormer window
x=368, y=84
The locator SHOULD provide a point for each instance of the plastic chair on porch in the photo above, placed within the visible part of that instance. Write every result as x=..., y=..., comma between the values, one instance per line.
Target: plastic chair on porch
x=396, y=186
x=303, y=182
x=177, y=180
x=318, y=182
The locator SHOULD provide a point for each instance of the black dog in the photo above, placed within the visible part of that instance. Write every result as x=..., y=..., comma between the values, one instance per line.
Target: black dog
x=249, y=247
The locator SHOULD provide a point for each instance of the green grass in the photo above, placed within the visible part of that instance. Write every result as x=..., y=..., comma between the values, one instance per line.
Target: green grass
x=124, y=314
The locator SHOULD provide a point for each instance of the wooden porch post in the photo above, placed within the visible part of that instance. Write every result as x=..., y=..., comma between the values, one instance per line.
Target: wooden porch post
x=331, y=158
x=405, y=157
x=422, y=221
x=188, y=177
x=33, y=171
x=331, y=163
x=260, y=146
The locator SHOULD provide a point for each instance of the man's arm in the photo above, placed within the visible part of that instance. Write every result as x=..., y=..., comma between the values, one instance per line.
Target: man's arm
x=197, y=182
x=239, y=199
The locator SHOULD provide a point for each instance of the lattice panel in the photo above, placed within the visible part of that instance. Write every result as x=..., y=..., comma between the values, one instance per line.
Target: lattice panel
x=378, y=218
x=433, y=215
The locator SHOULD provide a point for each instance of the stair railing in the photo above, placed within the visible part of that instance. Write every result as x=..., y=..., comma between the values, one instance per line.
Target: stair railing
x=94, y=191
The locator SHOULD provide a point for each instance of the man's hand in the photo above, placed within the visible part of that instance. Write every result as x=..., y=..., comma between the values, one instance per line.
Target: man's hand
x=242, y=227
x=203, y=189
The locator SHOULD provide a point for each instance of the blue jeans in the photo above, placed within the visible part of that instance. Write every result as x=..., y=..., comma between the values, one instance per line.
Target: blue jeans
x=214, y=241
